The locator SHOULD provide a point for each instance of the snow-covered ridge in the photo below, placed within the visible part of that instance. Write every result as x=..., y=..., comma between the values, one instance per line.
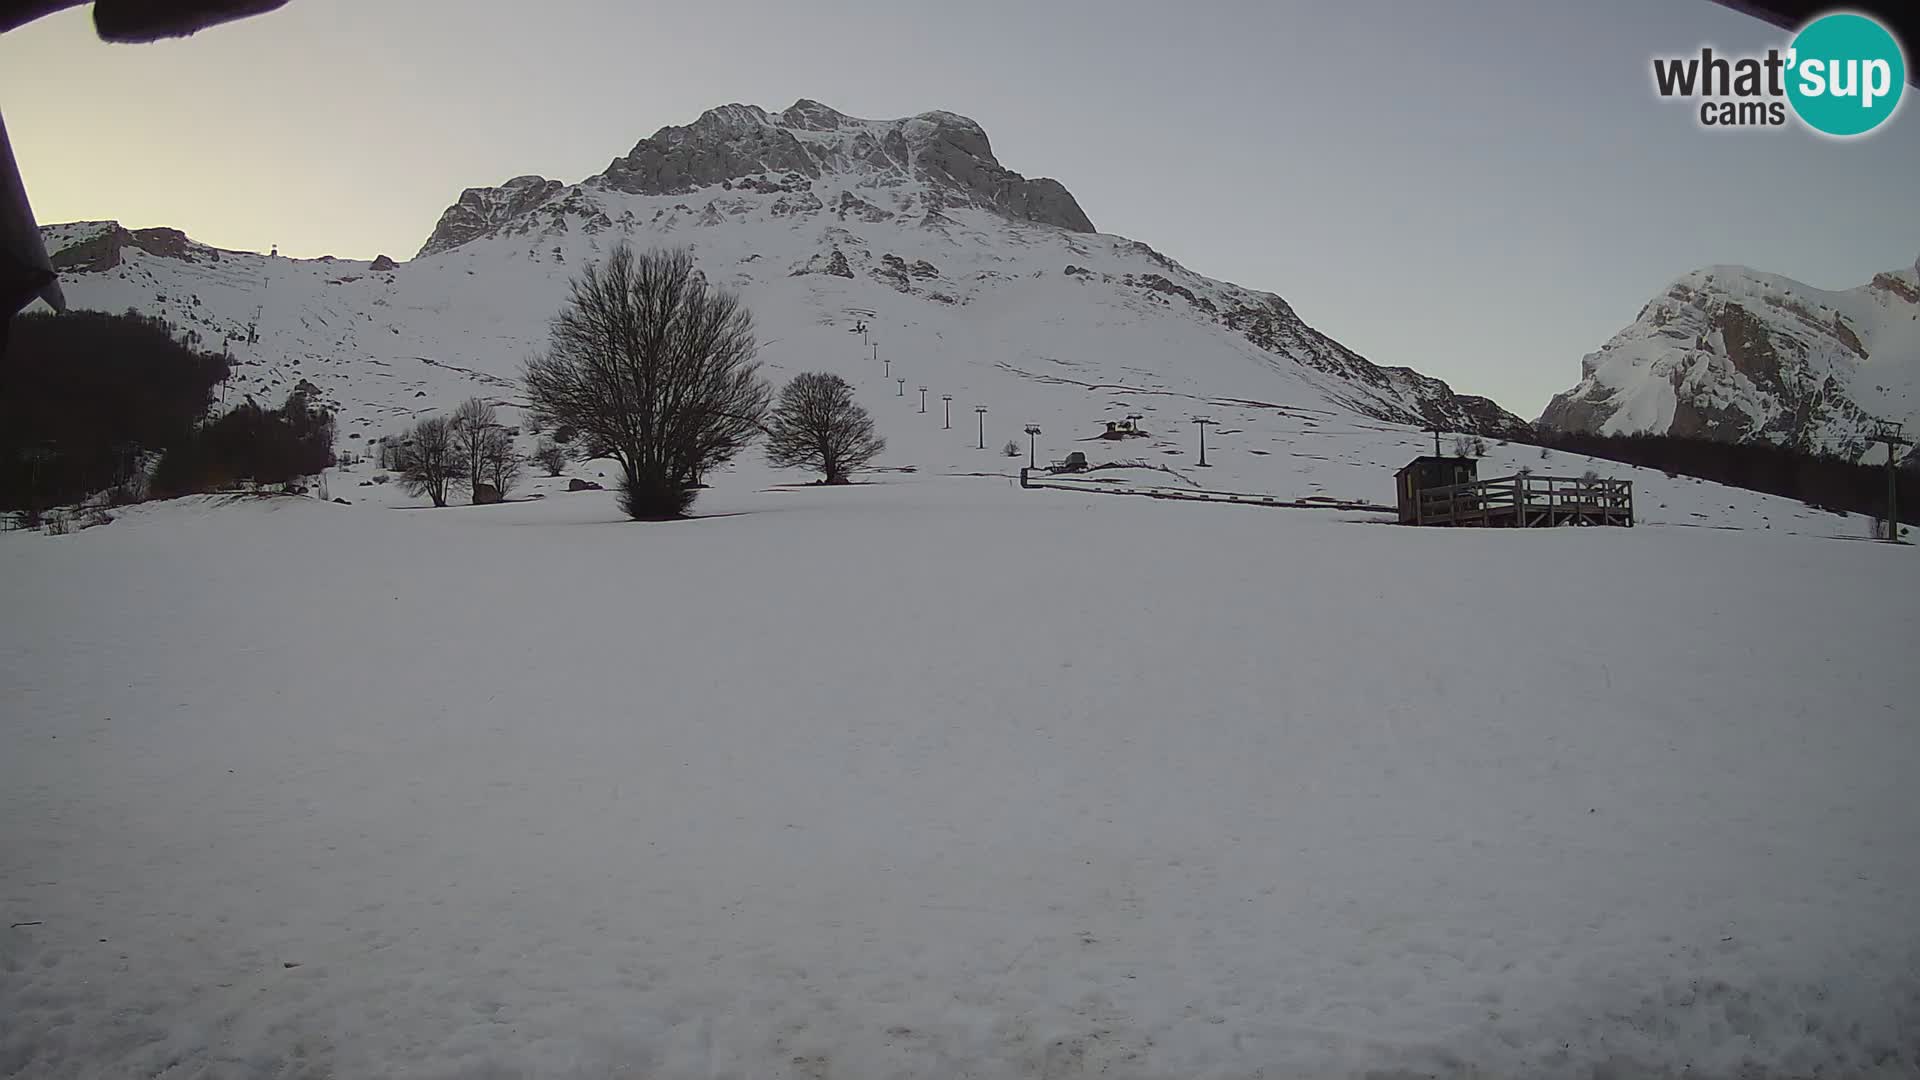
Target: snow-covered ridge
x=1732, y=353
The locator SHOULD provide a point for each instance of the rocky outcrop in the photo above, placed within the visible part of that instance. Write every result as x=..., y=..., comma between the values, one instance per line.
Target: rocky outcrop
x=102, y=251
x=849, y=203
x=833, y=262
x=480, y=211
x=893, y=271
x=951, y=148
x=381, y=262
x=726, y=143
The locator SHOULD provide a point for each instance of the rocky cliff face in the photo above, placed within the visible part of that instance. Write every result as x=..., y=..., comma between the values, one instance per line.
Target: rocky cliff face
x=1733, y=354
x=745, y=144
x=813, y=140
x=483, y=211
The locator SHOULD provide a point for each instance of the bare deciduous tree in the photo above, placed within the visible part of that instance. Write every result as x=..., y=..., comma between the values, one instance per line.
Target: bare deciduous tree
x=817, y=425
x=550, y=456
x=472, y=425
x=499, y=465
x=653, y=368
x=428, y=461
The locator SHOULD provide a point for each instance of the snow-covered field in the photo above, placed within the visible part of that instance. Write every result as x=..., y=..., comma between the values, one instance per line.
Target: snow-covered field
x=937, y=778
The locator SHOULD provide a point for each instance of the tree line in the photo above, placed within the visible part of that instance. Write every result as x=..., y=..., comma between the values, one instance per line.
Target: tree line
x=1830, y=483
x=93, y=402
x=250, y=443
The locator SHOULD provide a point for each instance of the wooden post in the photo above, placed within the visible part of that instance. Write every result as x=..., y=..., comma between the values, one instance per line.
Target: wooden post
x=1893, y=497
x=1893, y=482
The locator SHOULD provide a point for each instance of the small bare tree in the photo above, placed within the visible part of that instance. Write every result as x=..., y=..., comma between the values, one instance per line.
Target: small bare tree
x=654, y=368
x=817, y=425
x=428, y=461
x=472, y=425
x=499, y=465
x=550, y=456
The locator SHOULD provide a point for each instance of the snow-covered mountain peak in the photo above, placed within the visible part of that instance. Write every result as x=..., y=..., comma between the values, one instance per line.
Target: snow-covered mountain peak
x=934, y=161
x=807, y=114
x=1737, y=354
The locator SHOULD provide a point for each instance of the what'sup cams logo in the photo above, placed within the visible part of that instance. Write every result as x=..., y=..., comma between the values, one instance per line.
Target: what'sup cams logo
x=1842, y=75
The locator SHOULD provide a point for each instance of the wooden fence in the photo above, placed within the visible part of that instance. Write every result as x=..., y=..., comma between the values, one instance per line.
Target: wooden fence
x=1528, y=502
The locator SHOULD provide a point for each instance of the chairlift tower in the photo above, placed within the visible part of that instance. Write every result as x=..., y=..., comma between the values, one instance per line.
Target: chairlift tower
x=1202, y=422
x=1890, y=433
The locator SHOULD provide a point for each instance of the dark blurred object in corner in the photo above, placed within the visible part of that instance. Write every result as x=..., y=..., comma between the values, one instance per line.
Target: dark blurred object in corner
x=25, y=272
x=140, y=20
x=1793, y=14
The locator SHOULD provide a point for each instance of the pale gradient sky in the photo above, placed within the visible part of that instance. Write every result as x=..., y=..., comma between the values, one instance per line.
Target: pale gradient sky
x=1481, y=190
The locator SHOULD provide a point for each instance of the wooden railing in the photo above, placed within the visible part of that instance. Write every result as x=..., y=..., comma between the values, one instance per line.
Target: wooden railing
x=1527, y=501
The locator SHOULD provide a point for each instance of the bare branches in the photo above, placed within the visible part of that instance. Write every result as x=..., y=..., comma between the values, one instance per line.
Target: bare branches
x=817, y=425
x=429, y=460
x=654, y=369
x=499, y=465
x=471, y=425
x=550, y=456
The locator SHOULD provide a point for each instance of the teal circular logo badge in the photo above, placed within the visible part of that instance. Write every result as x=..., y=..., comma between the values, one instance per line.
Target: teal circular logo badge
x=1845, y=74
